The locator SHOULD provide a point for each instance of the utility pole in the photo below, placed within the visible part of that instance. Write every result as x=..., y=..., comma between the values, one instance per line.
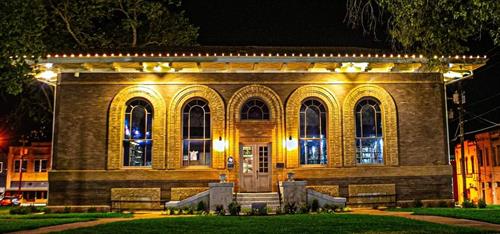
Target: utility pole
x=23, y=141
x=459, y=98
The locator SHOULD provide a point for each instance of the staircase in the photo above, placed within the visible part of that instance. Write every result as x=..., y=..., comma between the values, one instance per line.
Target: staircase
x=246, y=199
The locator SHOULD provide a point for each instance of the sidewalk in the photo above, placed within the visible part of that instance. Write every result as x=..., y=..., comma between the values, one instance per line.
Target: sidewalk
x=432, y=219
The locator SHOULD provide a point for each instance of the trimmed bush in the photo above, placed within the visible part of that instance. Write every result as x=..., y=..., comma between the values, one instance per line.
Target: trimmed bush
x=481, y=203
x=201, y=206
x=234, y=208
x=468, y=204
x=315, y=205
x=219, y=210
x=92, y=210
x=304, y=209
x=290, y=208
x=21, y=210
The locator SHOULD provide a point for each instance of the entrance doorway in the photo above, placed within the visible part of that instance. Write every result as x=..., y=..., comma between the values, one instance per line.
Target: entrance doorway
x=255, y=170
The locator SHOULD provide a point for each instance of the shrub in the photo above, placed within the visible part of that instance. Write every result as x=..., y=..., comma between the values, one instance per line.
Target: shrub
x=246, y=211
x=187, y=210
x=92, y=210
x=20, y=210
x=67, y=209
x=468, y=204
x=201, y=206
x=234, y=208
x=219, y=210
x=315, y=205
x=481, y=203
x=304, y=208
x=290, y=208
x=418, y=203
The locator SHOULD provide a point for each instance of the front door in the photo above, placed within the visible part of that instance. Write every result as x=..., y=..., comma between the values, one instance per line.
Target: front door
x=255, y=170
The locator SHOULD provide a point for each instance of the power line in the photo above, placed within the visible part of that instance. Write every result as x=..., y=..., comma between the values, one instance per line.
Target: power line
x=483, y=100
x=479, y=116
x=479, y=130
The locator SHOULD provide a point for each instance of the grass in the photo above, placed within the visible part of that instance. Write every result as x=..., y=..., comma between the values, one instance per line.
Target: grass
x=11, y=223
x=67, y=215
x=322, y=223
x=489, y=214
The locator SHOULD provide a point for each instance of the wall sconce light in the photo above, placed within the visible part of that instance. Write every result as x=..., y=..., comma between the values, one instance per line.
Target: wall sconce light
x=291, y=144
x=219, y=145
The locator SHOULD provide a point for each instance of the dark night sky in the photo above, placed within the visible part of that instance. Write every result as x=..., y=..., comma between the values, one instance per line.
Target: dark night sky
x=320, y=23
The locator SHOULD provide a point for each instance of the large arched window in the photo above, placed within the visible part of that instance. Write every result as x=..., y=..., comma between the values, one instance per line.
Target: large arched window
x=255, y=109
x=196, y=133
x=312, y=137
x=369, y=138
x=137, y=142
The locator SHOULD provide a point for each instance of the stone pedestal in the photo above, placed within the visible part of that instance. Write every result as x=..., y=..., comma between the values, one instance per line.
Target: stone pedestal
x=294, y=192
x=220, y=194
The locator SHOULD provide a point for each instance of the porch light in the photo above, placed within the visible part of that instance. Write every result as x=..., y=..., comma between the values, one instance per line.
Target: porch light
x=291, y=144
x=47, y=75
x=219, y=145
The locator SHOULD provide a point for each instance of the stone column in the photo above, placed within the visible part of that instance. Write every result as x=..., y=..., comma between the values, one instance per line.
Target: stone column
x=294, y=192
x=221, y=194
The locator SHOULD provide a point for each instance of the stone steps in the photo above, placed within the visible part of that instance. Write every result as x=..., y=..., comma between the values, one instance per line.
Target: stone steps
x=247, y=199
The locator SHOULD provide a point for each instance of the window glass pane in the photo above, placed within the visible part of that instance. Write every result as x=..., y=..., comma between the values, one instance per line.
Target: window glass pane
x=302, y=124
x=254, y=109
x=138, y=122
x=17, y=165
x=24, y=165
x=379, y=124
x=369, y=150
x=44, y=166
x=185, y=126
x=312, y=122
x=196, y=152
x=368, y=121
x=313, y=151
x=323, y=124
x=196, y=122
x=137, y=143
x=37, y=166
x=207, y=125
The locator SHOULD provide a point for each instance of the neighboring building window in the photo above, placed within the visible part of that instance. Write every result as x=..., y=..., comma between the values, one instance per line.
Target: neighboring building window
x=498, y=155
x=137, y=142
x=312, y=137
x=467, y=166
x=369, y=138
x=255, y=109
x=480, y=157
x=1, y=167
x=40, y=165
x=472, y=164
x=17, y=165
x=196, y=133
x=486, y=156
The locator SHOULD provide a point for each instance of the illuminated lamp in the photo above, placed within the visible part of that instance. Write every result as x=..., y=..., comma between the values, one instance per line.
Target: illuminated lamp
x=219, y=145
x=291, y=144
x=47, y=75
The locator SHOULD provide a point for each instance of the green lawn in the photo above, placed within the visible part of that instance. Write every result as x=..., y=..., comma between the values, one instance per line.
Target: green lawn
x=10, y=223
x=322, y=223
x=490, y=214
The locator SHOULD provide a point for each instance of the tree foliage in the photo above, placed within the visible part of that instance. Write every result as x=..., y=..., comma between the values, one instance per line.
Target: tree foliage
x=428, y=27
x=30, y=29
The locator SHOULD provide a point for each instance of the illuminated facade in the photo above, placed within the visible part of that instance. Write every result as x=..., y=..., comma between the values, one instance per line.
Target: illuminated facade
x=482, y=170
x=29, y=167
x=367, y=127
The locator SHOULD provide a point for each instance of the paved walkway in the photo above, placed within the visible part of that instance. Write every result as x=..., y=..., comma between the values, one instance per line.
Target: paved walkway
x=432, y=219
x=68, y=226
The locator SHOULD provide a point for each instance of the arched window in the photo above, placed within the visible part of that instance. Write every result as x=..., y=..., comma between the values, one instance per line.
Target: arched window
x=137, y=142
x=312, y=137
x=255, y=109
x=369, y=138
x=196, y=133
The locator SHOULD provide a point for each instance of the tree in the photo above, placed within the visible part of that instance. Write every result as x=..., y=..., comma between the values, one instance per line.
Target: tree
x=30, y=29
x=428, y=27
